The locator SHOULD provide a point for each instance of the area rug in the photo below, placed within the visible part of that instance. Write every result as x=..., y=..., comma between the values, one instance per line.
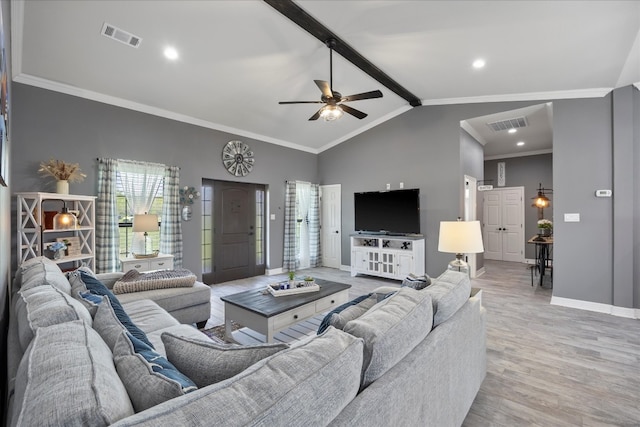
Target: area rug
x=217, y=332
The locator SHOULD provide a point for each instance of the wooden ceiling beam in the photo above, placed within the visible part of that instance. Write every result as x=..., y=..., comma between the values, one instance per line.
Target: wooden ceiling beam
x=314, y=27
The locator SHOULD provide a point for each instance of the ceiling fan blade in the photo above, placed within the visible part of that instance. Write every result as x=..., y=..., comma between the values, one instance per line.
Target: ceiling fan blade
x=300, y=102
x=316, y=115
x=356, y=113
x=365, y=95
x=325, y=88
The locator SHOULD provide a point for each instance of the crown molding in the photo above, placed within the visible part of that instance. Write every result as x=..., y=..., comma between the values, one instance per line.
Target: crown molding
x=637, y=85
x=532, y=96
x=135, y=106
x=522, y=154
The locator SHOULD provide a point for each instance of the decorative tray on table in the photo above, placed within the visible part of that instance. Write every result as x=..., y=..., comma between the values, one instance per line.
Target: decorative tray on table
x=300, y=287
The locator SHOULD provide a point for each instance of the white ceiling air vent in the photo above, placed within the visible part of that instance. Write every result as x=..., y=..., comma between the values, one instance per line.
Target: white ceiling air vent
x=518, y=122
x=122, y=36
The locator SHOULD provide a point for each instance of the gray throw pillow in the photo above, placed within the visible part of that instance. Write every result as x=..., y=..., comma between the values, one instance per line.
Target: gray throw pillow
x=339, y=320
x=149, y=378
x=417, y=282
x=207, y=363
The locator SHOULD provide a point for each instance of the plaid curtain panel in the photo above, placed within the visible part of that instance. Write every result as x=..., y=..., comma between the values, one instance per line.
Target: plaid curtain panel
x=171, y=227
x=107, y=236
x=315, y=252
x=290, y=241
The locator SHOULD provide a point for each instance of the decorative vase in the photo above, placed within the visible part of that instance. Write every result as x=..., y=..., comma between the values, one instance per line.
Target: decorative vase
x=546, y=232
x=62, y=186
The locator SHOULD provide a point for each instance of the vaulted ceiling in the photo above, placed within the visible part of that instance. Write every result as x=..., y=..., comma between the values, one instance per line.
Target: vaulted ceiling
x=238, y=59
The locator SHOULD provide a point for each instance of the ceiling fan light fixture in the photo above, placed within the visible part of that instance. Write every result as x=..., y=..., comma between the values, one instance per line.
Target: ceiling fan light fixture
x=331, y=112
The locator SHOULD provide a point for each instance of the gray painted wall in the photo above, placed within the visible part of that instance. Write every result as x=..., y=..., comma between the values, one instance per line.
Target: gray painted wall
x=527, y=172
x=420, y=148
x=582, y=151
x=50, y=124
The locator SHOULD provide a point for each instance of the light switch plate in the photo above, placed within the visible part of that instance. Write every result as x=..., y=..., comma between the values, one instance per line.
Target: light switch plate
x=272, y=217
x=572, y=217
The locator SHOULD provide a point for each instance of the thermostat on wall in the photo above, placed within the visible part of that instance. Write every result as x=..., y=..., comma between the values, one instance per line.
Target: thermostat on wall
x=603, y=193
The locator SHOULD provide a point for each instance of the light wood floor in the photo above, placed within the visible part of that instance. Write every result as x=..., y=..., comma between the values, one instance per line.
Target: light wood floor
x=547, y=365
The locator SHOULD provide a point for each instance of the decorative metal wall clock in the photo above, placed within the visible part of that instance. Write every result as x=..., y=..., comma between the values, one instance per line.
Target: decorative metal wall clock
x=237, y=158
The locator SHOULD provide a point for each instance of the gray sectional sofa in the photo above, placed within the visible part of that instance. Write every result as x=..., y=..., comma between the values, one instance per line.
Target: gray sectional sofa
x=416, y=358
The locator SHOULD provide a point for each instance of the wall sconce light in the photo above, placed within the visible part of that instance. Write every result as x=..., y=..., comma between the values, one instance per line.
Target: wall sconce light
x=64, y=220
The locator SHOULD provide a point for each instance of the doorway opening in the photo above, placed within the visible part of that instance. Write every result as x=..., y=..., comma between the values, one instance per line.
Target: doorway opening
x=233, y=230
x=518, y=152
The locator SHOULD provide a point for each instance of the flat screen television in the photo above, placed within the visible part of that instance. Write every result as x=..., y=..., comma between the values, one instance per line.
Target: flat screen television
x=389, y=212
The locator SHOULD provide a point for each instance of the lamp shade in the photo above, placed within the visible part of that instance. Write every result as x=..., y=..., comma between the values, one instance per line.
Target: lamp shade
x=145, y=223
x=460, y=237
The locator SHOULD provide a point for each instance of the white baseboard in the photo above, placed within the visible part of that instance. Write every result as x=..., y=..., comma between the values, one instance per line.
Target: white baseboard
x=274, y=271
x=631, y=313
x=480, y=272
x=345, y=268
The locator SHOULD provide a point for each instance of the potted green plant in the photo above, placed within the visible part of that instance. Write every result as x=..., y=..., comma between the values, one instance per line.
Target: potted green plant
x=292, y=278
x=544, y=227
x=308, y=281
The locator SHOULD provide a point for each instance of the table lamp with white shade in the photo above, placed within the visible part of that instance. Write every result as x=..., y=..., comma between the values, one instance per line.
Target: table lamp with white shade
x=144, y=223
x=460, y=237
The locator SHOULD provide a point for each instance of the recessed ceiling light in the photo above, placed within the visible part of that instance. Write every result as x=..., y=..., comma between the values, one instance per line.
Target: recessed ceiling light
x=479, y=63
x=520, y=143
x=171, y=53
x=513, y=130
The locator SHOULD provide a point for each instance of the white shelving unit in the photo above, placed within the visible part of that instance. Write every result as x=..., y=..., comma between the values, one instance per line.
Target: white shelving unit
x=34, y=237
x=393, y=257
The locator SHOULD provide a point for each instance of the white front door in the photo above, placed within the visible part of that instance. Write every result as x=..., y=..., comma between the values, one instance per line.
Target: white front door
x=330, y=220
x=503, y=222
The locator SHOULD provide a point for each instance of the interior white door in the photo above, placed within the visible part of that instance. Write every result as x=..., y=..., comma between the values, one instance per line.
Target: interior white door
x=492, y=225
x=512, y=225
x=503, y=220
x=330, y=219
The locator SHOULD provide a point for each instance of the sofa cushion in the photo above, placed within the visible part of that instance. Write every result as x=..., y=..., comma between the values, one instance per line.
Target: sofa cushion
x=67, y=378
x=45, y=305
x=173, y=298
x=94, y=286
x=391, y=329
x=307, y=384
x=180, y=330
x=207, y=363
x=149, y=377
x=448, y=292
x=42, y=271
x=109, y=325
x=148, y=315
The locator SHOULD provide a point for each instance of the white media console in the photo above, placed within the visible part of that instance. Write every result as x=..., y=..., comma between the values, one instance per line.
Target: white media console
x=393, y=257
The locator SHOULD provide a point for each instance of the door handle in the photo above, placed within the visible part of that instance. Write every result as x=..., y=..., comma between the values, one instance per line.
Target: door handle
x=250, y=233
x=337, y=232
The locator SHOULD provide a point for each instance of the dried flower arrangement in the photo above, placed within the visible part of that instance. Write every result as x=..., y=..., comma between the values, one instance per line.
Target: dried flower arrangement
x=62, y=170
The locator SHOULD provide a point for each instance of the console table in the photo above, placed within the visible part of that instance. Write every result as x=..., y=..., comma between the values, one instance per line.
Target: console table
x=543, y=249
x=259, y=310
x=393, y=257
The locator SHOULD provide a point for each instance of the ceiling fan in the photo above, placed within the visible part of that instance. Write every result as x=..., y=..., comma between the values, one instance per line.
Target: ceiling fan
x=334, y=107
